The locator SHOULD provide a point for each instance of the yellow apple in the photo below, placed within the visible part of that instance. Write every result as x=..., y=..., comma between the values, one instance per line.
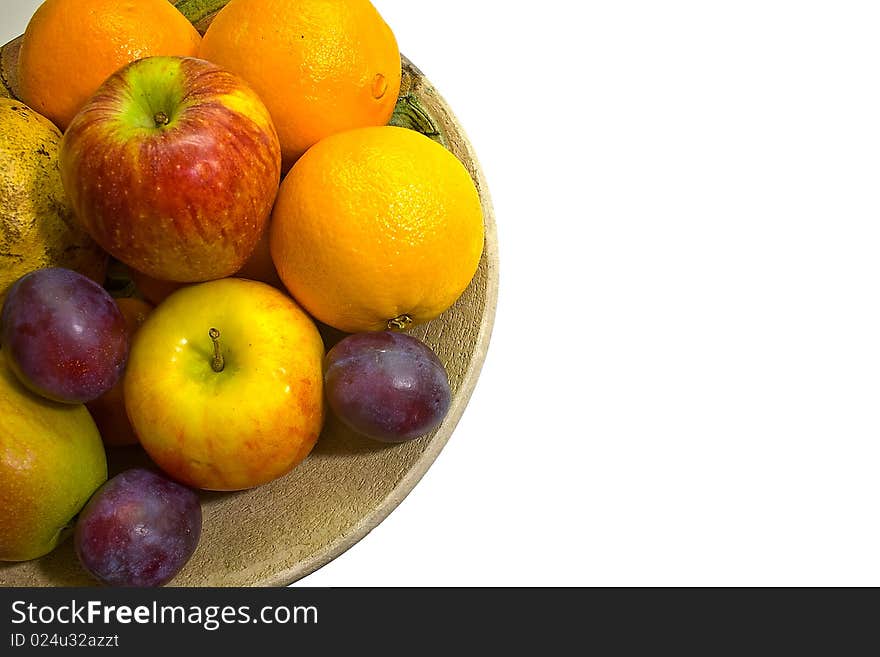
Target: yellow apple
x=224, y=384
x=51, y=461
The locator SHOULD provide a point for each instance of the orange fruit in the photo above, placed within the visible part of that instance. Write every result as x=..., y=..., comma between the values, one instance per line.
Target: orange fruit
x=320, y=66
x=376, y=225
x=71, y=46
x=108, y=410
x=152, y=289
x=259, y=267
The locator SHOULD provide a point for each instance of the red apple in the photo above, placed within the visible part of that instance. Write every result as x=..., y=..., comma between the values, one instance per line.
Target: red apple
x=259, y=267
x=172, y=167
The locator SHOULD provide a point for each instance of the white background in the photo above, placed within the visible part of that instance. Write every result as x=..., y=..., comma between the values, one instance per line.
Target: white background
x=683, y=383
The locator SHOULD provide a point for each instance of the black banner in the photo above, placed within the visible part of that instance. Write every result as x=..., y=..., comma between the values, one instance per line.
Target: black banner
x=403, y=621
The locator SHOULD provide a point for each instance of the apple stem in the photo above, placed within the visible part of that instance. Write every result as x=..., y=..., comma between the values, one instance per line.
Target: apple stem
x=161, y=118
x=218, y=363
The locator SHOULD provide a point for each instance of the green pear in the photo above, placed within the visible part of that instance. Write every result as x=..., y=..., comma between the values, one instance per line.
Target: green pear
x=51, y=461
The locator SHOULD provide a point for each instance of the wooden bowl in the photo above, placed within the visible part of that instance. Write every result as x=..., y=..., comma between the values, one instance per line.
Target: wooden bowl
x=284, y=530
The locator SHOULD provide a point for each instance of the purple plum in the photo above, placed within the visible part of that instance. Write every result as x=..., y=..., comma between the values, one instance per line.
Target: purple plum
x=387, y=386
x=63, y=335
x=139, y=529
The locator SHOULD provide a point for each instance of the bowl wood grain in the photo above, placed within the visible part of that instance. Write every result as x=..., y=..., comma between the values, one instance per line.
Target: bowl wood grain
x=280, y=532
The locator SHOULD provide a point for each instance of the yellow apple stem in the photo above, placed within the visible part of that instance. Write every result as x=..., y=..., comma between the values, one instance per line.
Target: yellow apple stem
x=218, y=363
